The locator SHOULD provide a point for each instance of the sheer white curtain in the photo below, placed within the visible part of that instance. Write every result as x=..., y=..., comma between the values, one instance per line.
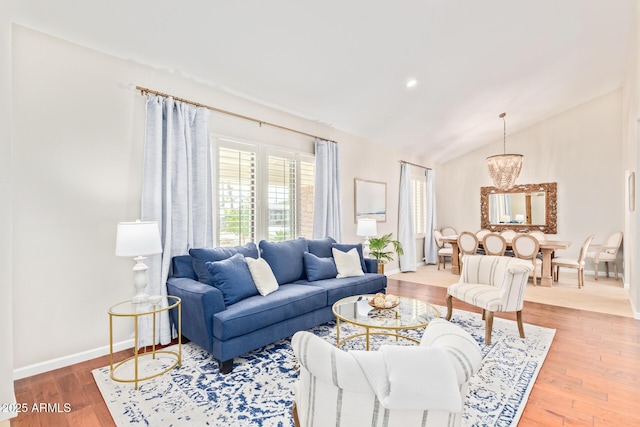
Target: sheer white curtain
x=430, y=248
x=406, y=229
x=176, y=191
x=327, y=215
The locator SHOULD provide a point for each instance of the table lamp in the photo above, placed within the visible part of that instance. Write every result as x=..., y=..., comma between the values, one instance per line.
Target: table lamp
x=366, y=228
x=138, y=239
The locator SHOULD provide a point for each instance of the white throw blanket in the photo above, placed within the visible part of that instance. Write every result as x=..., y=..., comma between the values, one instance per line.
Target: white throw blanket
x=418, y=378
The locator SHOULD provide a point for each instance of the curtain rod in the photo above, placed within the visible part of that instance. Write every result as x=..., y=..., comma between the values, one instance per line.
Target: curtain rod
x=144, y=90
x=413, y=164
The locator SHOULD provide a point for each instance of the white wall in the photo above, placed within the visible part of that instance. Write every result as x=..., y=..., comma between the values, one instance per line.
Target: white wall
x=7, y=395
x=580, y=149
x=78, y=130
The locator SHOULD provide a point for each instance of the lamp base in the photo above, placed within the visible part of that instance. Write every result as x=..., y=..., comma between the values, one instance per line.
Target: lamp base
x=140, y=280
x=366, y=250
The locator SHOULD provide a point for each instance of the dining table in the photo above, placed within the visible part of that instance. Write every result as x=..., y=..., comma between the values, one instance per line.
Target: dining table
x=547, y=248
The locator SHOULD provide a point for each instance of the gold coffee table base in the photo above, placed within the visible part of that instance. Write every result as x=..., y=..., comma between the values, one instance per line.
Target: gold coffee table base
x=368, y=334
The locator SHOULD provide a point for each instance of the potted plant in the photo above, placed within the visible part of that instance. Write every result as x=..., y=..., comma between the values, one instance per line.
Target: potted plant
x=380, y=250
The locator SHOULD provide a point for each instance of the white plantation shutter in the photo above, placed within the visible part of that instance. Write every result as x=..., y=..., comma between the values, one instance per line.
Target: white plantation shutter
x=263, y=193
x=418, y=189
x=305, y=207
x=281, y=198
x=236, y=196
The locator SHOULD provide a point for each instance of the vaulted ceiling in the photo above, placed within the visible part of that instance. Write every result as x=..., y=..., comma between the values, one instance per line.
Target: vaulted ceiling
x=346, y=62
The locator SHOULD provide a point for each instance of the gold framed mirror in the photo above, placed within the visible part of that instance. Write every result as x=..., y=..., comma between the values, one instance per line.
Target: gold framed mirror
x=525, y=207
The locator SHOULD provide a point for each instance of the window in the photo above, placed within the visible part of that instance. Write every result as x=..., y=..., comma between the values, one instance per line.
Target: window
x=418, y=190
x=263, y=193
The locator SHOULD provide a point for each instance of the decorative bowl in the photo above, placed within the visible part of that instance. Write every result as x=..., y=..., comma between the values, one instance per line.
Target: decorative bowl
x=394, y=305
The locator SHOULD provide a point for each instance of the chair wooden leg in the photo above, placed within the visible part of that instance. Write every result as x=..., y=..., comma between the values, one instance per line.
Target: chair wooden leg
x=488, y=327
x=294, y=411
x=615, y=269
x=520, y=325
x=449, y=307
x=606, y=268
x=595, y=271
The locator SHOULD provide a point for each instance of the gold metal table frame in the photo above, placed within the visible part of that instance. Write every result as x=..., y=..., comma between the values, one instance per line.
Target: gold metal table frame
x=136, y=311
x=417, y=316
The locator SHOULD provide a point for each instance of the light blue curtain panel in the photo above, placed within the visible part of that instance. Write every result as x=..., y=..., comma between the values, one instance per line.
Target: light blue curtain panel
x=406, y=229
x=327, y=215
x=176, y=191
x=430, y=248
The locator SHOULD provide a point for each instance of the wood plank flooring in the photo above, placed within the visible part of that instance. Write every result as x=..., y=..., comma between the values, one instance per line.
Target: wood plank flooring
x=591, y=376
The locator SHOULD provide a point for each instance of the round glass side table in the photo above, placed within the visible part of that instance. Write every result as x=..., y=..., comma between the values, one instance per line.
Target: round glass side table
x=136, y=311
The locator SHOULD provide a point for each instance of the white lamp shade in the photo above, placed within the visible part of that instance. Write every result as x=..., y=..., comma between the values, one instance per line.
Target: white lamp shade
x=138, y=238
x=366, y=227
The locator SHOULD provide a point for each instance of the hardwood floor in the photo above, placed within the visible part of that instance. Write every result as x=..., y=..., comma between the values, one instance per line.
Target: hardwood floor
x=591, y=376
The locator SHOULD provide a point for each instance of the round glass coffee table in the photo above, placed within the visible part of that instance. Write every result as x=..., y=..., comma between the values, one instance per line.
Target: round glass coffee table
x=409, y=314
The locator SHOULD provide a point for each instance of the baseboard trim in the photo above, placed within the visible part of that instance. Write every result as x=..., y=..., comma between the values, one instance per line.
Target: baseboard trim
x=72, y=359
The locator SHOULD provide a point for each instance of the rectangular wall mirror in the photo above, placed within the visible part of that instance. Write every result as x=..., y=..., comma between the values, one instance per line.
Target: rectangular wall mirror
x=524, y=207
x=370, y=200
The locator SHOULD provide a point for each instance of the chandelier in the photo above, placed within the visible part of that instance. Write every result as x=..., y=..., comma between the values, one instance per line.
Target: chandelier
x=504, y=168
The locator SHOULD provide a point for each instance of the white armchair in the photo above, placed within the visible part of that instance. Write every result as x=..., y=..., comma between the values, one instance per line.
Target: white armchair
x=493, y=283
x=336, y=387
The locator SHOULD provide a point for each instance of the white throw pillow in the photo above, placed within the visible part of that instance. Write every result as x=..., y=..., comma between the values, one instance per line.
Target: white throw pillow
x=347, y=263
x=262, y=275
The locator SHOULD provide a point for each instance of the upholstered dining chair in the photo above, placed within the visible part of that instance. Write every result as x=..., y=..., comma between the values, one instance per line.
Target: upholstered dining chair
x=492, y=283
x=467, y=244
x=494, y=244
x=481, y=233
x=607, y=253
x=443, y=252
x=539, y=235
x=351, y=388
x=578, y=263
x=448, y=231
x=526, y=247
x=508, y=235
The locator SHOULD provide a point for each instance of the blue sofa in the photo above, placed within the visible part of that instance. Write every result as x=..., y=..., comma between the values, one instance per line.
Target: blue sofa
x=225, y=315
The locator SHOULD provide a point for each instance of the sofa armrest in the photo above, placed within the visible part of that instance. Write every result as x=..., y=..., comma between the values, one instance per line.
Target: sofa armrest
x=199, y=303
x=371, y=264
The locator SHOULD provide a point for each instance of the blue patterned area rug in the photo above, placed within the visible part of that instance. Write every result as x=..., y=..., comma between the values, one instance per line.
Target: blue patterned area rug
x=259, y=391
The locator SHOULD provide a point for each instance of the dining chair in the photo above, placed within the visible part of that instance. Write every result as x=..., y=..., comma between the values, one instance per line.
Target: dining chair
x=448, y=232
x=443, y=252
x=572, y=263
x=494, y=244
x=607, y=253
x=508, y=235
x=481, y=233
x=539, y=235
x=467, y=244
x=527, y=247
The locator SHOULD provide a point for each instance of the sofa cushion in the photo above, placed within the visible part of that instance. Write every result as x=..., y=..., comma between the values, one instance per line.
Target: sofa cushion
x=182, y=266
x=258, y=312
x=318, y=268
x=233, y=278
x=262, y=276
x=285, y=259
x=203, y=255
x=337, y=289
x=347, y=263
x=321, y=247
x=346, y=248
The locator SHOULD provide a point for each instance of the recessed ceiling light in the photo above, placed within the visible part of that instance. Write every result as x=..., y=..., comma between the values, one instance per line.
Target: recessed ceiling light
x=411, y=83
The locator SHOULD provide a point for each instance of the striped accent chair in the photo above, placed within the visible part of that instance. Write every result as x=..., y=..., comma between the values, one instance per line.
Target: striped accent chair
x=334, y=390
x=493, y=283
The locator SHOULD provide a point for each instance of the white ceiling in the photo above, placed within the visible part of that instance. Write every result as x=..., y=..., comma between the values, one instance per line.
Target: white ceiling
x=345, y=62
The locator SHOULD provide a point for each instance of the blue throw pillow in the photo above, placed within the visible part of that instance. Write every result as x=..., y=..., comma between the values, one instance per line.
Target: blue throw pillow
x=321, y=247
x=285, y=259
x=203, y=255
x=319, y=268
x=347, y=248
x=233, y=278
